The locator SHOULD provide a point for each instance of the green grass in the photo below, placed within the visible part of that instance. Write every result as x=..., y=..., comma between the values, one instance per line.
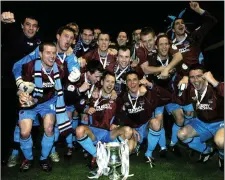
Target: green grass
x=172, y=168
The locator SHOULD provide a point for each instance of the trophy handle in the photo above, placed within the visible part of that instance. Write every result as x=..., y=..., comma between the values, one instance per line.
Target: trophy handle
x=108, y=152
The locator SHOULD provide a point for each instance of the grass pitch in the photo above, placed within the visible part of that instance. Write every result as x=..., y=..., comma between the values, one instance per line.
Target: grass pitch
x=171, y=168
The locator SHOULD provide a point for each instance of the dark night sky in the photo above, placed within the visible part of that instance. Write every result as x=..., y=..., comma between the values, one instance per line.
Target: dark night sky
x=114, y=16
x=110, y=16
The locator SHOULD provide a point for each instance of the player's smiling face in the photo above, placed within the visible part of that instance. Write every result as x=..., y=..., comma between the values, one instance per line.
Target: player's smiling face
x=30, y=27
x=48, y=56
x=108, y=84
x=132, y=83
x=123, y=58
x=148, y=41
x=87, y=36
x=179, y=27
x=163, y=47
x=196, y=79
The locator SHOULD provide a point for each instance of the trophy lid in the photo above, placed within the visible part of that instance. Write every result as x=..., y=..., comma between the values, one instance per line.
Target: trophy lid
x=113, y=144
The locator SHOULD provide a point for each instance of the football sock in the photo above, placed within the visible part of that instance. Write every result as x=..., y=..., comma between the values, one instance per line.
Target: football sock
x=162, y=139
x=46, y=146
x=175, y=130
x=69, y=140
x=88, y=145
x=153, y=138
x=26, y=147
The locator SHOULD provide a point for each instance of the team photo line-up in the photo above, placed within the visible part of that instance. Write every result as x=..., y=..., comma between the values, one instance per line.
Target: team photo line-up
x=85, y=89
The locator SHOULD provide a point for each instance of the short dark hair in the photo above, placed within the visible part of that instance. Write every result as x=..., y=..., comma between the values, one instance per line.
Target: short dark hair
x=87, y=28
x=173, y=23
x=123, y=48
x=31, y=17
x=107, y=73
x=162, y=36
x=104, y=33
x=197, y=67
x=67, y=28
x=146, y=31
x=43, y=44
x=94, y=65
x=132, y=72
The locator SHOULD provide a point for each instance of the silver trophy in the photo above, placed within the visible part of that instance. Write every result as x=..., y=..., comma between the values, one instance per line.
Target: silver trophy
x=114, y=154
x=109, y=157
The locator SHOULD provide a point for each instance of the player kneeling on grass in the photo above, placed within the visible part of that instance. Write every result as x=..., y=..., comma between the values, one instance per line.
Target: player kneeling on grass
x=207, y=96
x=101, y=116
x=136, y=112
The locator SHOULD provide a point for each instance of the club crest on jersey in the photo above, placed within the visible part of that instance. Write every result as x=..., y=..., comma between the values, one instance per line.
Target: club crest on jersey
x=141, y=103
x=61, y=66
x=194, y=98
x=127, y=104
x=184, y=66
x=174, y=47
x=71, y=88
x=82, y=101
x=210, y=101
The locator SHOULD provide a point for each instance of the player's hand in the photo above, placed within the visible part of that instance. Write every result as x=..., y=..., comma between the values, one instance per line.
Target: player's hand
x=194, y=5
x=82, y=62
x=113, y=126
x=23, y=97
x=7, y=17
x=112, y=51
x=91, y=111
x=95, y=93
x=145, y=82
x=74, y=76
x=25, y=86
x=164, y=74
x=113, y=95
x=69, y=51
x=84, y=87
x=172, y=71
x=184, y=80
x=142, y=90
x=134, y=62
x=209, y=77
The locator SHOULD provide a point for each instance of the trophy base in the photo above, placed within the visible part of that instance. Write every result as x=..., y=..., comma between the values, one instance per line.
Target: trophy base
x=114, y=175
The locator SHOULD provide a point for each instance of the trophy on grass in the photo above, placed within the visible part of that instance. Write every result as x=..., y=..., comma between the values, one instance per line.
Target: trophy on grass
x=109, y=157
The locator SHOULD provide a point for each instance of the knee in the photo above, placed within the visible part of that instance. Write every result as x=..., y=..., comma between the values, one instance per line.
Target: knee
x=49, y=130
x=182, y=134
x=80, y=131
x=24, y=134
x=155, y=124
x=219, y=140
